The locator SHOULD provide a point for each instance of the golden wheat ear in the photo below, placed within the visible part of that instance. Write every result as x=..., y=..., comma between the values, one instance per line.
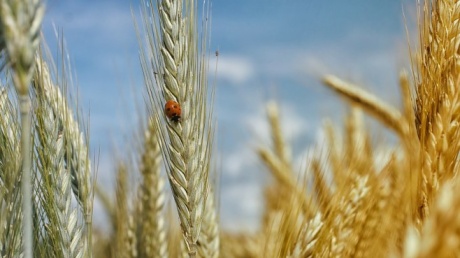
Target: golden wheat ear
x=288, y=205
x=436, y=102
x=385, y=113
x=443, y=224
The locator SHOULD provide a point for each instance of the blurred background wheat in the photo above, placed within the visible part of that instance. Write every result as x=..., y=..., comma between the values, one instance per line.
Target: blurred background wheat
x=356, y=194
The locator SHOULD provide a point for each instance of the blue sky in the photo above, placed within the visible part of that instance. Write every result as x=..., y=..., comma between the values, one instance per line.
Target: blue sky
x=272, y=49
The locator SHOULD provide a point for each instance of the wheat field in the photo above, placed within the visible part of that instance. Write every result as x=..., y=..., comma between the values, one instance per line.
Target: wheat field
x=352, y=200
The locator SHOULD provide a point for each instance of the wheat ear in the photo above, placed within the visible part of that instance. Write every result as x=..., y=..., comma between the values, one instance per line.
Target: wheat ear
x=287, y=203
x=11, y=211
x=209, y=240
x=278, y=160
x=307, y=239
x=131, y=241
x=178, y=61
x=76, y=159
x=285, y=177
x=55, y=185
x=322, y=189
x=388, y=115
x=20, y=22
x=240, y=245
x=121, y=213
x=153, y=238
x=437, y=101
x=439, y=236
x=279, y=143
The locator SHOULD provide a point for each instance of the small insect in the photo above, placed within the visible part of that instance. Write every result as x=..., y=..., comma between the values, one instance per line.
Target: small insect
x=173, y=110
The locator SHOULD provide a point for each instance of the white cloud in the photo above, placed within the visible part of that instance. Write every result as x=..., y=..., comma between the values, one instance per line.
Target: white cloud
x=318, y=149
x=258, y=125
x=236, y=162
x=293, y=125
x=242, y=206
x=374, y=68
x=235, y=69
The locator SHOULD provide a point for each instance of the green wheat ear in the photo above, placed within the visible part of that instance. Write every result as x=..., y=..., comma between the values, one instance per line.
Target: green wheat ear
x=59, y=144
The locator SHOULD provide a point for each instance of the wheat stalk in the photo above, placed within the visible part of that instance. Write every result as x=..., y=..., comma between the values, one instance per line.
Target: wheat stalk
x=20, y=23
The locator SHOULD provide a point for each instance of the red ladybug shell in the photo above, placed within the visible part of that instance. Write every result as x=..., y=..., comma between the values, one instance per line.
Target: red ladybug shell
x=173, y=110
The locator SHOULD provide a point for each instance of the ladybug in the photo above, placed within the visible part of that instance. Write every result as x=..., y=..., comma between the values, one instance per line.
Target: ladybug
x=173, y=110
